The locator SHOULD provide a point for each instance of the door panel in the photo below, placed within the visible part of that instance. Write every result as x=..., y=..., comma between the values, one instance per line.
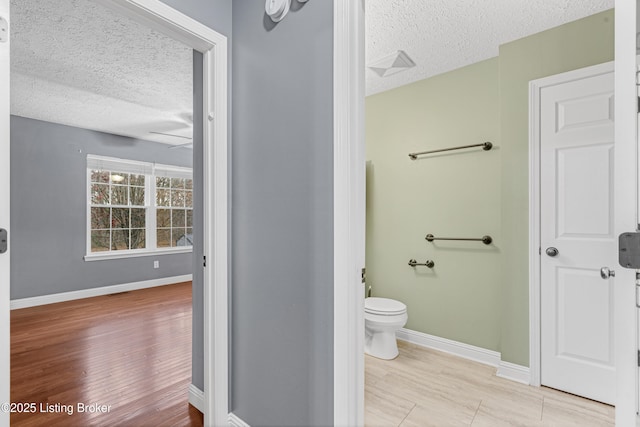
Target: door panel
x=577, y=218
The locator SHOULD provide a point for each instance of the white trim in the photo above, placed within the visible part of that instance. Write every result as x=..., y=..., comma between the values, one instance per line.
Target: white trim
x=236, y=421
x=5, y=196
x=466, y=351
x=96, y=292
x=349, y=212
x=213, y=45
x=216, y=353
x=535, y=88
x=196, y=398
x=101, y=256
x=513, y=372
x=626, y=205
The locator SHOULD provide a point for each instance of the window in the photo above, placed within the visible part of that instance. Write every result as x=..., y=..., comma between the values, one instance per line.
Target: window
x=137, y=208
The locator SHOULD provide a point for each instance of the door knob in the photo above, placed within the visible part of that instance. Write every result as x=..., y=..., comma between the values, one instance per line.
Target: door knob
x=605, y=273
x=551, y=251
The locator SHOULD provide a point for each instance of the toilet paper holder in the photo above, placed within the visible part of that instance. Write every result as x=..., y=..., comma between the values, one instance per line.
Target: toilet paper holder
x=428, y=263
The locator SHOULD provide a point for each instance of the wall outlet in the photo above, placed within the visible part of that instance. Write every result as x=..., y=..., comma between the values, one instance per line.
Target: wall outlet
x=156, y=264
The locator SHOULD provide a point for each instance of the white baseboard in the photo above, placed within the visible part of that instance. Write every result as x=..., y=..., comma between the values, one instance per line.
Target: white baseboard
x=514, y=372
x=478, y=354
x=196, y=398
x=95, y=292
x=235, y=421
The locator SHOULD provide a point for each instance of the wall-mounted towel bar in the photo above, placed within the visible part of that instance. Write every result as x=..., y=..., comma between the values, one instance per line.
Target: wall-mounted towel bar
x=484, y=239
x=428, y=263
x=486, y=146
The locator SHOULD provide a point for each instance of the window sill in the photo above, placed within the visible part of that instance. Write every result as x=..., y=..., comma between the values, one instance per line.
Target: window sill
x=101, y=256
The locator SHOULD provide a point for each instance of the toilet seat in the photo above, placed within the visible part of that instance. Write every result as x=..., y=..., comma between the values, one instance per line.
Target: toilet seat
x=384, y=306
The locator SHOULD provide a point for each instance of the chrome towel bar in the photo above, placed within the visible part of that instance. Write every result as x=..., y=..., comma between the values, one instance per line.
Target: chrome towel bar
x=486, y=146
x=484, y=239
x=428, y=263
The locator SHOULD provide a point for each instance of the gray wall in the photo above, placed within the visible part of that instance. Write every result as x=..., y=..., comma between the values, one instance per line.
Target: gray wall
x=215, y=14
x=282, y=289
x=48, y=209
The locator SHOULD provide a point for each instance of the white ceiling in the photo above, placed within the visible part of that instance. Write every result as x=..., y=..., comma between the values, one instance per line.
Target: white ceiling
x=78, y=63
x=442, y=35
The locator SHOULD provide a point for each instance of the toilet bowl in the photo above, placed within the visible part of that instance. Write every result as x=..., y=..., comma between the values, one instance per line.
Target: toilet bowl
x=382, y=318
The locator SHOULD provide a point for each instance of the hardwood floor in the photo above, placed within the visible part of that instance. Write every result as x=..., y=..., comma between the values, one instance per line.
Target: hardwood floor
x=128, y=351
x=423, y=387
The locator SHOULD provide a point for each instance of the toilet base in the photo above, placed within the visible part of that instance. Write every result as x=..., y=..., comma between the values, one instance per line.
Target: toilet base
x=381, y=344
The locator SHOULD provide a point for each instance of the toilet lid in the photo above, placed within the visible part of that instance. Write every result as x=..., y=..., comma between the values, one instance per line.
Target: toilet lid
x=383, y=306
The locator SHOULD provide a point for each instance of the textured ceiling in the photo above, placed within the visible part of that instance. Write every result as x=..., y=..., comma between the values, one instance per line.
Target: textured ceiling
x=442, y=35
x=78, y=63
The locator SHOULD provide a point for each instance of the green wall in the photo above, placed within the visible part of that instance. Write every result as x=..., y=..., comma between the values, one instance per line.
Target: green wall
x=452, y=194
x=476, y=294
x=579, y=44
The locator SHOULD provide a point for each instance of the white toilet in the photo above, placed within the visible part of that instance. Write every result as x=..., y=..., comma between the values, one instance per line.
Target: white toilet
x=382, y=318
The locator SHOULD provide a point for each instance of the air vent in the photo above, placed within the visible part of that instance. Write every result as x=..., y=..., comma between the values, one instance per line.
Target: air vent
x=392, y=64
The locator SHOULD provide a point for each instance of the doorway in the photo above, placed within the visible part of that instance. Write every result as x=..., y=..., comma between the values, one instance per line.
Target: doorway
x=214, y=49
x=574, y=173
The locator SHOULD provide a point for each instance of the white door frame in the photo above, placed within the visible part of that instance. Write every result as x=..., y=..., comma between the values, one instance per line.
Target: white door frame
x=213, y=46
x=535, y=89
x=626, y=198
x=5, y=260
x=349, y=213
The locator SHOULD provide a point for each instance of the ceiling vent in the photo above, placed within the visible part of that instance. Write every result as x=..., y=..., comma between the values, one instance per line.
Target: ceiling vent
x=392, y=64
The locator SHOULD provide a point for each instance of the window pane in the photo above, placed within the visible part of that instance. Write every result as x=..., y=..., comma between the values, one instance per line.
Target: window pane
x=138, y=239
x=162, y=197
x=138, y=217
x=178, y=236
x=178, y=218
x=137, y=196
x=119, y=178
x=164, y=238
x=177, y=183
x=136, y=180
x=189, y=218
x=120, y=240
x=99, y=194
x=188, y=184
x=163, y=218
x=177, y=198
x=99, y=241
x=100, y=219
x=119, y=195
x=190, y=236
x=188, y=199
x=163, y=182
x=99, y=176
x=120, y=218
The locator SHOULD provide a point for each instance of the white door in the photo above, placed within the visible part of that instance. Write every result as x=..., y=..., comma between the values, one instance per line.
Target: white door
x=4, y=209
x=578, y=237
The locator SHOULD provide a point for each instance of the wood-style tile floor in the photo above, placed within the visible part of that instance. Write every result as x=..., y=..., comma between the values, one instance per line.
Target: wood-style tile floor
x=131, y=351
x=423, y=387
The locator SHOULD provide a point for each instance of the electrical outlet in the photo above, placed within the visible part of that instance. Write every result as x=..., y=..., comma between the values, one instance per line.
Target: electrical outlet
x=156, y=264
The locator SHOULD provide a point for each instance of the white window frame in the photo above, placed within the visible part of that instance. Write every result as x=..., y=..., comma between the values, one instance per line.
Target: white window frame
x=149, y=204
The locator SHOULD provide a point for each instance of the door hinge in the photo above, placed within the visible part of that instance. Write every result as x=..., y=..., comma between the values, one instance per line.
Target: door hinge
x=363, y=275
x=204, y=261
x=638, y=104
x=4, y=30
x=638, y=357
x=4, y=240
